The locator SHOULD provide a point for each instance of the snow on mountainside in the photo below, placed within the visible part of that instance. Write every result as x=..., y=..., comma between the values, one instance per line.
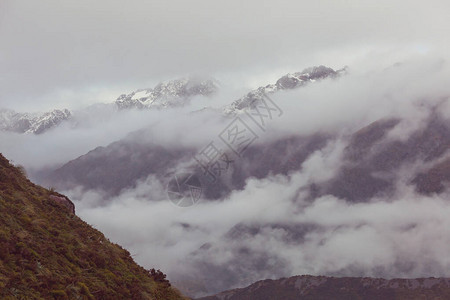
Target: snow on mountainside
x=168, y=94
x=287, y=82
x=32, y=123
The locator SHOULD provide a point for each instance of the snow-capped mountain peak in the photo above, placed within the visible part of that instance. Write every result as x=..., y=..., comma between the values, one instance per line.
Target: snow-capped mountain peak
x=168, y=94
x=287, y=82
x=32, y=122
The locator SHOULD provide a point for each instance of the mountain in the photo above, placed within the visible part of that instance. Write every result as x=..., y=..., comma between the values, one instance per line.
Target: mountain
x=113, y=168
x=372, y=159
x=47, y=252
x=321, y=287
x=370, y=162
x=172, y=93
x=32, y=123
x=121, y=164
x=371, y=165
x=287, y=82
x=376, y=163
x=434, y=179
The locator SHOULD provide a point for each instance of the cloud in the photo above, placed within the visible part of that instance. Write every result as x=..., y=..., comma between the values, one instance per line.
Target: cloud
x=274, y=226
x=344, y=105
x=400, y=236
x=77, y=52
x=100, y=125
x=407, y=91
x=74, y=54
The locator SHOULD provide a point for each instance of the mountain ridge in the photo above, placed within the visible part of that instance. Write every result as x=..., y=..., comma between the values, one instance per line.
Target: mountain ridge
x=287, y=82
x=36, y=123
x=171, y=93
x=322, y=287
x=166, y=94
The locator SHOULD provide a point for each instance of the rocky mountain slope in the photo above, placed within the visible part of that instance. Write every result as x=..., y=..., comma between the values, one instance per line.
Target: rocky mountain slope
x=320, y=287
x=47, y=252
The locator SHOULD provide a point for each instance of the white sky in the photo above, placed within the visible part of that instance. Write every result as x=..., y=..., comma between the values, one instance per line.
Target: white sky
x=72, y=53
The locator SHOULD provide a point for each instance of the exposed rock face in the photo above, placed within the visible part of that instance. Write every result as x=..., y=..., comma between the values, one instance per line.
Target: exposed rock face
x=63, y=201
x=168, y=94
x=320, y=287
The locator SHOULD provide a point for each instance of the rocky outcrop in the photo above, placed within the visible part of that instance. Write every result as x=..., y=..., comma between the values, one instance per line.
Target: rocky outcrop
x=64, y=201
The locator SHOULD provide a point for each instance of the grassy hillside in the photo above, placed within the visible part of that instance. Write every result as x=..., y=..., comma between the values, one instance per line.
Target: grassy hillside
x=47, y=252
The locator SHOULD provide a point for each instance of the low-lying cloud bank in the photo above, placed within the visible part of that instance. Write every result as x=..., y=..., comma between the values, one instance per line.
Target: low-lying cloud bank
x=407, y=90
x=272, y=229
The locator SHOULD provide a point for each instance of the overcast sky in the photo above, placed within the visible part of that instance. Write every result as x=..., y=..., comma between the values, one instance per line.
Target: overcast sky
x=72, y=53
x=69, y=54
